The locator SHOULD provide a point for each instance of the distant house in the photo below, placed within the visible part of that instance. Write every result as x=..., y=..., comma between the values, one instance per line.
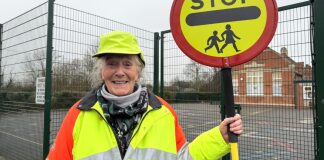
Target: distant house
x=272, y=78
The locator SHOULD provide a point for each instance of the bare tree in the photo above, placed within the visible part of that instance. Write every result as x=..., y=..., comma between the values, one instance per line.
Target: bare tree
x=73, y=75
x=203, y=78
x=178, y=85
x=10, y=82
x=34, y=66
x=194, y=73
x=2, y=71
x=214, y=81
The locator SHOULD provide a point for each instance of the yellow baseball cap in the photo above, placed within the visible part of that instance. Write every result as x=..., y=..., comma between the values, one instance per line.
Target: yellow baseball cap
x=118, y=42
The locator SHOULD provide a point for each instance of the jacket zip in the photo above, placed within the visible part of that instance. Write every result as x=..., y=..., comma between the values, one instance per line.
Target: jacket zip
x=142, y=119
x=117, y=134
x=118, y=143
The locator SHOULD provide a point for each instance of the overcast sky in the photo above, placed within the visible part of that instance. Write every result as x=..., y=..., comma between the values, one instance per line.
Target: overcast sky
x=152, y=15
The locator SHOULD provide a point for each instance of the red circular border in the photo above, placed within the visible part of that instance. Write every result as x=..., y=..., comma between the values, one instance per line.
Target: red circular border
x=256, y=49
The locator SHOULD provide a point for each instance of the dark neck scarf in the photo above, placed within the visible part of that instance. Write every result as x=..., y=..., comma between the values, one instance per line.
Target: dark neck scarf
x=124, y=119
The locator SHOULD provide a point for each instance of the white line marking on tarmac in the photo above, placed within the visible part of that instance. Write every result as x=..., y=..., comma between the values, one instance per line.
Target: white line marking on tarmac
x=21, y=138
x=307, y=121
x=204, y=124
x=252, y=135
x=298, y=130
x=274, y=141
x=259, y=112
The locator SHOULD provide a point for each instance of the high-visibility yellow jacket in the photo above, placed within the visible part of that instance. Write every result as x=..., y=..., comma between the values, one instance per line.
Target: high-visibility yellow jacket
x=86, y=135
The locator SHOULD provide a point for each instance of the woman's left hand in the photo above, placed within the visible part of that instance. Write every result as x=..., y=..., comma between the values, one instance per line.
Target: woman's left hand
x=235, y=124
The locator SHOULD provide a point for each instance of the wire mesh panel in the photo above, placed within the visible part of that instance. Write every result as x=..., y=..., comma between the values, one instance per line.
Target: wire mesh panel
x=274, y=91
x=75, y=40
x=22, y=62
x=192, y=89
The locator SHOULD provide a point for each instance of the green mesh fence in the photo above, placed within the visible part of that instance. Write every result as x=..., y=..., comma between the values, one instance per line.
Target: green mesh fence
x=22, y=61
x=192, y=89
x=274, y=91
x=75, y=40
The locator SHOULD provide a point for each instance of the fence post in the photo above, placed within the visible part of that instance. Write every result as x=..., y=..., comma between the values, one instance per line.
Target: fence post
x=162, y=62
x=48, y=81
x=156, y=64
x=1, y=76
x=318, y=64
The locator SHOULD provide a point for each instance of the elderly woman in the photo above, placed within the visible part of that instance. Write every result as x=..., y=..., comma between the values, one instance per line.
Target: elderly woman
x=121, y=119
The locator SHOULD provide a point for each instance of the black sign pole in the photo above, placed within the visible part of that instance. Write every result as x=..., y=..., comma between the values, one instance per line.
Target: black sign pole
x=229, y=108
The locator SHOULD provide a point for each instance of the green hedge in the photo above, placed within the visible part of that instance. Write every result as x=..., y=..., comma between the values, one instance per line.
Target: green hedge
x=66, y=99
x=59, y=99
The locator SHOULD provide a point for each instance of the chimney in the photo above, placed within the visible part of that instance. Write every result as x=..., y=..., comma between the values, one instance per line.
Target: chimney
x=284, y=51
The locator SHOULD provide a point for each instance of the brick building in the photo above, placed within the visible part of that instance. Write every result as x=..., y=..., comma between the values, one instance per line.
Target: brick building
x=272, y=78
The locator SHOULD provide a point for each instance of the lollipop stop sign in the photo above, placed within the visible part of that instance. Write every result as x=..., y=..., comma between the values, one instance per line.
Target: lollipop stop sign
x=223, y=33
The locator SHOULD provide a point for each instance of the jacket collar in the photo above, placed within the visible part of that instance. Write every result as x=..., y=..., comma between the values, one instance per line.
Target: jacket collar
x=90, y=99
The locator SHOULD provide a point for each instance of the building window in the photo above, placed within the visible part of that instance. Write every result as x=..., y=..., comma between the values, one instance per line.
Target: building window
x=276, y=84
x=235, y=86
x=254, y=82
x=307, y=91
x=235, y=83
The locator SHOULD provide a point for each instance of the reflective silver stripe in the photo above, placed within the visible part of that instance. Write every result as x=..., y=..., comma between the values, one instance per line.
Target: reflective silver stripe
x=183, y=153
x=148, y=154
x=112, y=154
x=131, y=154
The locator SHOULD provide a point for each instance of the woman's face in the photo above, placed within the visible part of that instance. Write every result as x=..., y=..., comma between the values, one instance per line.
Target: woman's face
x=120, y=74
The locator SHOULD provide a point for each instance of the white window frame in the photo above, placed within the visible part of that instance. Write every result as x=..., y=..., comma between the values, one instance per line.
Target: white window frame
x=254, y=82
x=276, y=84
x=307, y=90
x=235, y=87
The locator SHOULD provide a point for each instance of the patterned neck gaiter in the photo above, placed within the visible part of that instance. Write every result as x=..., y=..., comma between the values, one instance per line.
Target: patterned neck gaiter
x=124, y=119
